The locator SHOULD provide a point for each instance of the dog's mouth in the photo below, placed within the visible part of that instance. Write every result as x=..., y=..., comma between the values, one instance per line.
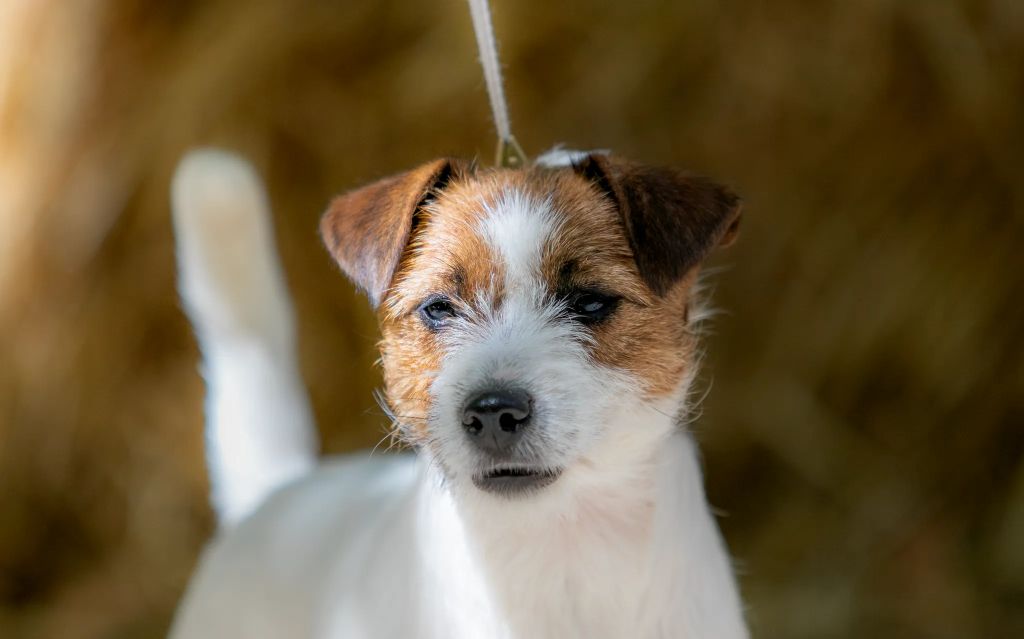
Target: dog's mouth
x=515, y=480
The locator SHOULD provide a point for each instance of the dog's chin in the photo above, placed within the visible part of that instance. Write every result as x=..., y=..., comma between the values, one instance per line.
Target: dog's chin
x=515, y=481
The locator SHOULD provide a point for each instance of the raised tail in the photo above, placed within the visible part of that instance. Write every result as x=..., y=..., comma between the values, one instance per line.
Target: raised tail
x=259, y=427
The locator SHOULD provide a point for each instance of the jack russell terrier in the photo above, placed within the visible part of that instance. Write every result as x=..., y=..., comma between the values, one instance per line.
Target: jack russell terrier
x=539, y=343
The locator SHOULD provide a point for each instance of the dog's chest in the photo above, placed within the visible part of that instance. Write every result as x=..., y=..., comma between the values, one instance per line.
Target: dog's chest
x=581, y=579
x=577, y=595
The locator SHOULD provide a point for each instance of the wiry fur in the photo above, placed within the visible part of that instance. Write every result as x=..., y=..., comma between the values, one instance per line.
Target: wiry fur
x=622, y=544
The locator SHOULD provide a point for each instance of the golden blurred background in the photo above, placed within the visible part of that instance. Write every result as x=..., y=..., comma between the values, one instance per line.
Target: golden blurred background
x=864, y=432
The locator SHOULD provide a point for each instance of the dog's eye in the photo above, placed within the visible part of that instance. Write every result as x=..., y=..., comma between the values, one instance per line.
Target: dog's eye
x=590, y=307
x=436, y=311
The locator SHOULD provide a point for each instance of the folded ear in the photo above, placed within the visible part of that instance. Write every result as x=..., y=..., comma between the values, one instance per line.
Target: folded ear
x=672, y=219
x=367, y=229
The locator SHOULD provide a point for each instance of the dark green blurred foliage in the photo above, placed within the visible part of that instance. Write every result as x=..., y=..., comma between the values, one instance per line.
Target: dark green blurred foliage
x=864, y=430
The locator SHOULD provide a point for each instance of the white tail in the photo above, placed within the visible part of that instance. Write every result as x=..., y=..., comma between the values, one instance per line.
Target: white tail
x=259, y=427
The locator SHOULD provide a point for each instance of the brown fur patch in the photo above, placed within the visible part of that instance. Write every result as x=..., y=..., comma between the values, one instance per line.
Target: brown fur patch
x=367, y=229
x=672, y=218
x=647, y=334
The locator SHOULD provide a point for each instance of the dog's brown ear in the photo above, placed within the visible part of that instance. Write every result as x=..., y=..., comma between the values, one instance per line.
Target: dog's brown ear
x=367, y=229
x=673, y=219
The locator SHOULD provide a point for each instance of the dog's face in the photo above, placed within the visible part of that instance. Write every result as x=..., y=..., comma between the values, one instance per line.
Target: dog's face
x=532, y=318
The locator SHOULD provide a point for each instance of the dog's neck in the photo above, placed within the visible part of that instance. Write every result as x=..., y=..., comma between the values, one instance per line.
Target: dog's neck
x=632, y=547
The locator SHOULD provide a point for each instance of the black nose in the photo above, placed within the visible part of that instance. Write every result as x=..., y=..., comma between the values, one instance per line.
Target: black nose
x=495, y=420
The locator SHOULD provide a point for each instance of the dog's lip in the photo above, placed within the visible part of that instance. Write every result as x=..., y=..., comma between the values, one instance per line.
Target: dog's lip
x=514, y=480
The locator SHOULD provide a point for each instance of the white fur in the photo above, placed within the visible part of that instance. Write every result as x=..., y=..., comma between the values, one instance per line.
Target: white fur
x=517, y=228
x=260, y=429
x=621, y=545
x=559, y=157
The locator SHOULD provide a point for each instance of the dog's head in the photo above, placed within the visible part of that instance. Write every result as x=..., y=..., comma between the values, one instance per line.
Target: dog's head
x=536, y=322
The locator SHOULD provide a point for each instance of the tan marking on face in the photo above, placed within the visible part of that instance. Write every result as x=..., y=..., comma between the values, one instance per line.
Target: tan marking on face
x=645, y=336
x=446, y=256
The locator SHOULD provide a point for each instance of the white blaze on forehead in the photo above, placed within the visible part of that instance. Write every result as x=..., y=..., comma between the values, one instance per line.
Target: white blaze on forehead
x=517, y=227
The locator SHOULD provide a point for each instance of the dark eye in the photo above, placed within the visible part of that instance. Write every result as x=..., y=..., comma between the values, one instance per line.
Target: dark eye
x=591, y=307
x=436, y=311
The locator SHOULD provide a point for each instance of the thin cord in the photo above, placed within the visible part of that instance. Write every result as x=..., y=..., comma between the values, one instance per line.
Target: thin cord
x=481, y=12
x=509, y=153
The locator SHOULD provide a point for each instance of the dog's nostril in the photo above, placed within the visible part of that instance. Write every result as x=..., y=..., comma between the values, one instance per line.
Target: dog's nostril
x=473, y=425
x=508, y=422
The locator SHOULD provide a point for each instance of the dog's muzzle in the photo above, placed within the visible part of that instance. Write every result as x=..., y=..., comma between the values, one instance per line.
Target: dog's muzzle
x=495, y=422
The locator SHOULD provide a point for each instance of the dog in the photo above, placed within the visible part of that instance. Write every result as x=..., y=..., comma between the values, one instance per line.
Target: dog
x=539, y=344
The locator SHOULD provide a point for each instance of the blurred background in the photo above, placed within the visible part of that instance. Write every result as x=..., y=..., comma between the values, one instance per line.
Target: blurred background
x=864, y=435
